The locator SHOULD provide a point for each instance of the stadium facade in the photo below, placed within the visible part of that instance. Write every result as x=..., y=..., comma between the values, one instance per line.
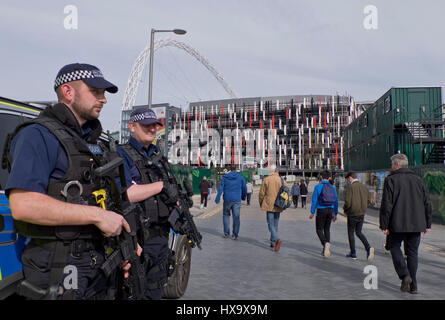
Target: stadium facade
x=299, y=133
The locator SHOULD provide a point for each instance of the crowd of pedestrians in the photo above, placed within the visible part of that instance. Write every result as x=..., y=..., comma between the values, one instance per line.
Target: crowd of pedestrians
x=405, y=212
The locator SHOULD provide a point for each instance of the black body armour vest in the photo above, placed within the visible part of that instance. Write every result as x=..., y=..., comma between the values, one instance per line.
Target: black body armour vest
x=83, y=158
x=154, y=208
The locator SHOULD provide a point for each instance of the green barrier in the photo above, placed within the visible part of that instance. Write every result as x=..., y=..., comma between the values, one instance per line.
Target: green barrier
x=433, y=176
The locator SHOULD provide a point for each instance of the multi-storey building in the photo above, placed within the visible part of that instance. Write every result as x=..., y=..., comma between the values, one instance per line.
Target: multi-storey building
x=301, y=133
x=403, y=120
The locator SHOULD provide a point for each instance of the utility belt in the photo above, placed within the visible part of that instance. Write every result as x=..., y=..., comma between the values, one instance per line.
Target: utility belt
x=76, y=247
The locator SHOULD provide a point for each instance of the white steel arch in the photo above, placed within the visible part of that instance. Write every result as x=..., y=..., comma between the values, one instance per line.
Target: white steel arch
x=142, y=60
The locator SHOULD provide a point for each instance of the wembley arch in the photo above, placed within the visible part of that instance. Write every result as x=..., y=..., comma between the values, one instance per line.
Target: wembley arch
x=142, y=60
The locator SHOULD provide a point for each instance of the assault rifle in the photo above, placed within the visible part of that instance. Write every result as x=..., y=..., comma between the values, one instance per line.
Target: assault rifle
x=178, y=200
x=124, y=246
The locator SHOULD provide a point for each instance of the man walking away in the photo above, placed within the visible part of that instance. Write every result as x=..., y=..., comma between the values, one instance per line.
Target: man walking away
x=249, y=187
x=204, y=188
x=295, y=192
x=405, y=212
x=233, y=185
x=303, y=193
x=267, y=196
x=325, y=205
x=357, y=200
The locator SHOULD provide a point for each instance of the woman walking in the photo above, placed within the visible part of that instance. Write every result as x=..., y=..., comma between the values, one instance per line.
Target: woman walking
x=303, y=193
x=295, y=192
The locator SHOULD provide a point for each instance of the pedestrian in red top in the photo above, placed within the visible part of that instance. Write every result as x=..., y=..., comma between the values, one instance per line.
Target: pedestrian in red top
x=204, y=188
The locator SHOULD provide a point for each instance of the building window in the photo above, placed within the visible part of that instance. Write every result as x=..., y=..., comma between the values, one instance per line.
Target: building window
x=387, y=105
x=365, y=121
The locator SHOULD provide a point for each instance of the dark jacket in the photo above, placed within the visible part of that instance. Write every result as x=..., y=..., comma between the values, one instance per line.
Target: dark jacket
x=204, y=186
x=357, y=199
x=303, y=189
x=405, y=203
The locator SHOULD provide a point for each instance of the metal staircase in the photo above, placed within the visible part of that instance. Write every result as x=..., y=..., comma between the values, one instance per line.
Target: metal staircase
x=417, y=131
x=437, y=154
x=430, y=136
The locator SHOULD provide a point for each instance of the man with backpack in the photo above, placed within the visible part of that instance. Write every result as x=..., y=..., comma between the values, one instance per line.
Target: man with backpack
x=270, y=189
x=325, y=206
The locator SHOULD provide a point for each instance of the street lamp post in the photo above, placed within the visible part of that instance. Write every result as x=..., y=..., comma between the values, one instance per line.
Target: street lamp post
x=150, y=83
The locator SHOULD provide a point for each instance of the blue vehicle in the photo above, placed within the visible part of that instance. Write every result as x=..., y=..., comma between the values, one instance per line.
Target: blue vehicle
x=12, y=113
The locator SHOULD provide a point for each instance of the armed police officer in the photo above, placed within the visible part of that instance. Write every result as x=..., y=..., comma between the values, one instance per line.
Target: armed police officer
x=51, y=160
x=149, y=189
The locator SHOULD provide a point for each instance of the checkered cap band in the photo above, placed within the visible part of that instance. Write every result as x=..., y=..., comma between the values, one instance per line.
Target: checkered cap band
x=142, y=116
x=73, y=76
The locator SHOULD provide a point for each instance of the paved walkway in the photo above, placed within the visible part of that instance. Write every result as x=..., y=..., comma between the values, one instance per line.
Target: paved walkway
x=249, y=269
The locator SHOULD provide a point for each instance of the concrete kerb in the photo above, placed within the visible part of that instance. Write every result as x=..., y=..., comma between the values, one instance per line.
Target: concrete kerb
x=212, y=207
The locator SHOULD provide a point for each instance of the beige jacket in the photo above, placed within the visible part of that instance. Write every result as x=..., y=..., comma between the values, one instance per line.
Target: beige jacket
x=269, y=192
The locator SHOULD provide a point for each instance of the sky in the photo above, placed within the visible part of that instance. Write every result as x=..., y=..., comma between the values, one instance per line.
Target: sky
x=261, y=48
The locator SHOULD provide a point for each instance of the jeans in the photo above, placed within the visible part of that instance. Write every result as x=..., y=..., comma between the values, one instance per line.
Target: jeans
x=355, y=223
x=323, y=224
x=272, y=221
x=249, y=195
x=411, y=241
x=235, y=208
x=210, y=193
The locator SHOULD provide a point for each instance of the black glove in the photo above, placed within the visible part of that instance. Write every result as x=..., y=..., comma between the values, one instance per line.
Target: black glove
x=171, y=192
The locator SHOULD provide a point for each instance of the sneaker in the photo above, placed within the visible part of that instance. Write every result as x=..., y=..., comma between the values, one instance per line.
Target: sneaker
x=326, y=251
x=201, y=206
x=386, y=250
x=225, y=236
x=277, y=245
x=370, y=253
x=352, y=256
x=234, y=238
x=406, y=283
x=413, y=289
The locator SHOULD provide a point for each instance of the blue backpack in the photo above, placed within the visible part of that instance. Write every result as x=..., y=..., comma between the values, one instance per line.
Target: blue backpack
x=327, y=195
